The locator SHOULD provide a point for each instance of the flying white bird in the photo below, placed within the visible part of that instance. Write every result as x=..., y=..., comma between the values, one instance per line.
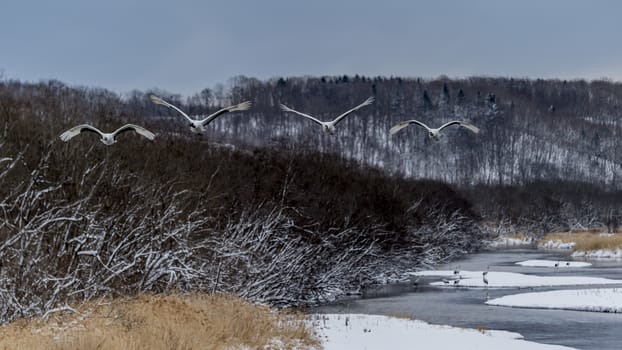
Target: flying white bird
x=329, y=127
x=107, y=138
x=434, y=134
x=198, y=125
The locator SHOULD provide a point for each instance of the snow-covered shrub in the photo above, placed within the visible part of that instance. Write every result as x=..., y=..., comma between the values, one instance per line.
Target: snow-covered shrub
x=105, y=232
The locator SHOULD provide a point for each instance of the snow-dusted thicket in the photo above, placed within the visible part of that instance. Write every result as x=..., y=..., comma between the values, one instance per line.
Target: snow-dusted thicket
x=556, y=244
x=66, y=242
x=511, y=242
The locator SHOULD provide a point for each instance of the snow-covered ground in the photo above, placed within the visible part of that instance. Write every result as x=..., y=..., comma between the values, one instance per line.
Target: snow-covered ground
x=360, y=332
x=602, y=299
x=509, y=242
x=599, y=254
x=556, y=244
x=475, y=279
x=552, y=263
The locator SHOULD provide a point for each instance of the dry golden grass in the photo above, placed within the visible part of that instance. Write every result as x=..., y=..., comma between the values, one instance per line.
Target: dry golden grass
x=592, y=239
x=164, y=322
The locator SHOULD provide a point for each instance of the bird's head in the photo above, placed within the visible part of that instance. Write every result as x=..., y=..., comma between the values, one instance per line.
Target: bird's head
x=435, y=135
x=108, y=139
x=196, y=128
x=329, y=128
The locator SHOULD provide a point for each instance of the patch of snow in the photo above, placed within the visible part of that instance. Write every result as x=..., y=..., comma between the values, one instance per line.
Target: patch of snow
x=474, y=279
x=370, y=332
x=556, y=244
x=507, y=242
x=599, y=300
x=599, y=254
x=551, y=263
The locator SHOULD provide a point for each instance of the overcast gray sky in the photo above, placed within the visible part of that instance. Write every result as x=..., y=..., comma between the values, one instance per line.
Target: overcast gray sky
x=184, y=46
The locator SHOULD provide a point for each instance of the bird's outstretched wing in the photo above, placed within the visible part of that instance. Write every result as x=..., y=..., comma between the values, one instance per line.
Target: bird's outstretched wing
x=406, y=123
x=67, y=135
x=155, y=99
x=139, y=130
x=287, y=109
x=469, y=126
x=366, y=103
x=239, y=107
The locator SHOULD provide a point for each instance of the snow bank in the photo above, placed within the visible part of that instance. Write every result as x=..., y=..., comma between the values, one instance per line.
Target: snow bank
x=599, y=254
x=601, y=300
x=474, y=279
x=556, y=244
x=507, y=242
x=551, y=263
x=352, y=331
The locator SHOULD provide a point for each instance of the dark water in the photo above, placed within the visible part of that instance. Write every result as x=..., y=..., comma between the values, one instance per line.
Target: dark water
x=466, y=308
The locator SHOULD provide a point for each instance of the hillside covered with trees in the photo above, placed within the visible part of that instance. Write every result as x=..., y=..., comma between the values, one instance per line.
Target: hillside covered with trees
x=266, y=206
x=548, y=155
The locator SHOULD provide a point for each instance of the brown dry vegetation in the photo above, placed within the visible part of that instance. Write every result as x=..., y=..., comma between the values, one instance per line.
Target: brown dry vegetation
x=592, y=239
x=196, y=321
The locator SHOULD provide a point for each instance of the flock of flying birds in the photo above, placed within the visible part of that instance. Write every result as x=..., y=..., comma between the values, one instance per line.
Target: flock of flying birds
x=198, y=125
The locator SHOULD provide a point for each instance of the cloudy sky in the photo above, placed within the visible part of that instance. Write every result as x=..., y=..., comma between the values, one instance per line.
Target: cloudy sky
x=184, y=46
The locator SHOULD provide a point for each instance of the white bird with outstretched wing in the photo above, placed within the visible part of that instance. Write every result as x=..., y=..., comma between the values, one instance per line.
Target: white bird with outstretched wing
x=198, y=125
x=329, y=127
x=107, y=138
x=433, y=133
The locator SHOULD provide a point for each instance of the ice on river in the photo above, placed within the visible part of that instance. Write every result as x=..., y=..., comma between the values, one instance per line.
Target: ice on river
x=600, y=300
x=355, y=331
x=599, y=254
x=475, y=279
x=553, y=263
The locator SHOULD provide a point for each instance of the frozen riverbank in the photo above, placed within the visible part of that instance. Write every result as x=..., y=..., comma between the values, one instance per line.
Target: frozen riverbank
x=359, y=332
x=495, y=279
x=599, y=300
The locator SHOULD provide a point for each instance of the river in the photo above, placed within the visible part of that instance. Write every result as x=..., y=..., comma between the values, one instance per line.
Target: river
x=464, y=307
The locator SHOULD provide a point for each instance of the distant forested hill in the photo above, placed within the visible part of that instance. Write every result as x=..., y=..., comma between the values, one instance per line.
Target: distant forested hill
x=531, y=129
x=252, y=208
x=535, y=134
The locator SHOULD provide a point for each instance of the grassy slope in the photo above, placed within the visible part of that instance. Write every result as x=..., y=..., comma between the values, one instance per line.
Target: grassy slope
x=162, y=322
